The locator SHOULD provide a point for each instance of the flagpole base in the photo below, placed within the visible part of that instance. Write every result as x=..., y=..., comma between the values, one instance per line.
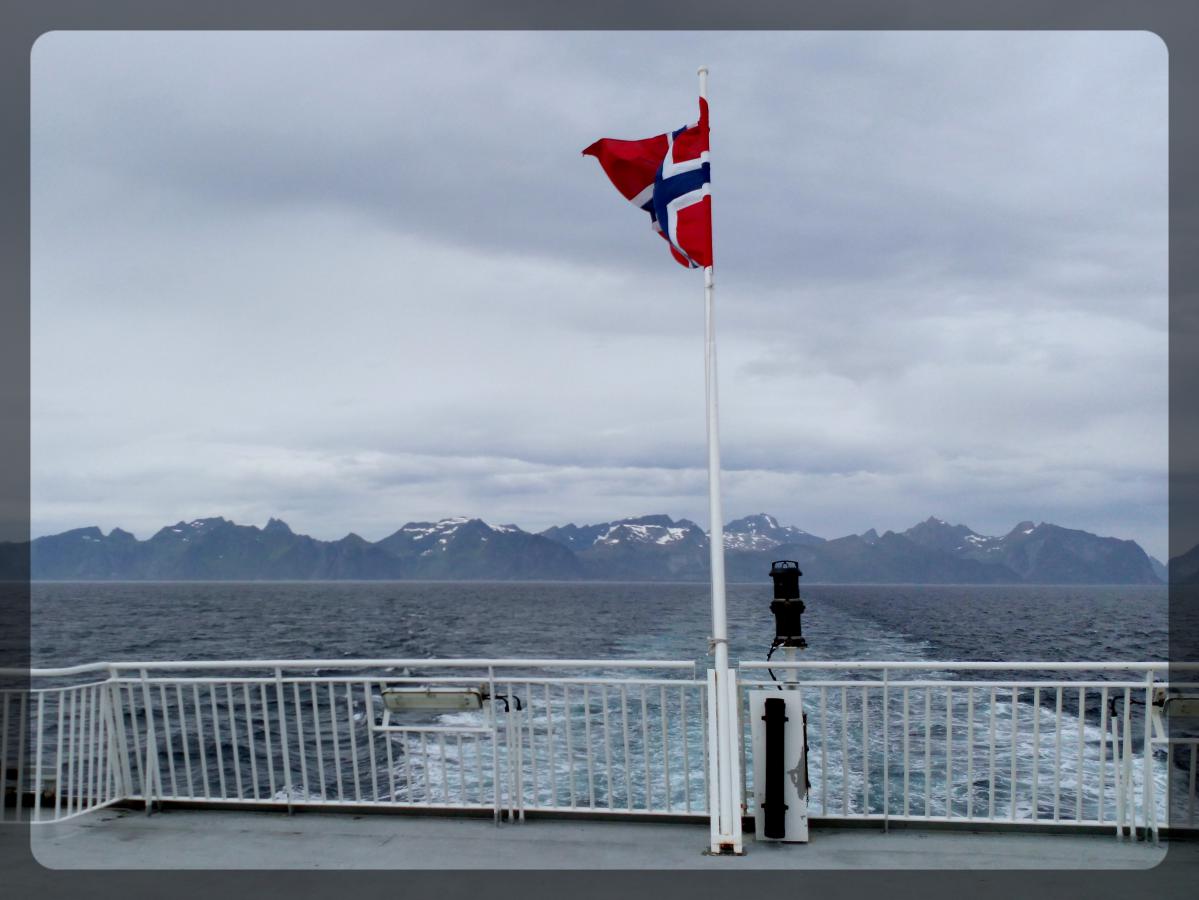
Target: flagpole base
x=725, y=850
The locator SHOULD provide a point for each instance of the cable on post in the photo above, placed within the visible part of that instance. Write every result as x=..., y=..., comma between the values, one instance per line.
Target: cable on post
x=774, y=645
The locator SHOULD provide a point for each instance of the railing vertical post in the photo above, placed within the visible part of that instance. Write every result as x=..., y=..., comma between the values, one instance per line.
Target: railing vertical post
x=686, y=749
x=497, y=799
x=992, y=715
x=844, y=750
x=1127, y=816
x=531, y=696
x=665, y=746
x=369, y=712
x=511, y=758
x=71, y=751
x=1169, y=779
x=1117, y=773
x=110, y=751
x=233, y=739
x=742, y=807
x=644, y=745
x=282, y=712
x=928, y=739
x=202, y=744
x=948, y=752
x=1103, y=727
x=88, y=744
x=316, y=727
x=518, y=729
x=445, y=775
x=217, y=742
x=1013, y=758
x=1057, y=757
x=253, y=750
x=714, y=800
x=865, y=751
x=301, y=744
x=549, y=743
x=58, y=750
x=336, y=747
x=570, y=759
x=320, y=748
x=824, y=751
x=479, y=766
x=166, y=730
x=391, y=772
x=969, y=752
x=1082, y=728
x=80, y=783
x=1121, y=750
x=1036, y=751
x=124, y=770
x=586, y=740
x=97, y=737
x=22, y=739
x=1149, y=785
x=886, y=752
x=628, y=769
x=609, y=777
x=153, y=776
x=906, y=753
x=37, y=761
x=704, y=749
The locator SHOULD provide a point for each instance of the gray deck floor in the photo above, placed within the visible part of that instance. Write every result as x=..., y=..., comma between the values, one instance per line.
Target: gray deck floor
x=213, y=839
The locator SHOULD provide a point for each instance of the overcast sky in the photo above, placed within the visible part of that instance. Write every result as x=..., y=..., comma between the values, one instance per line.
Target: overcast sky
x=357, y=279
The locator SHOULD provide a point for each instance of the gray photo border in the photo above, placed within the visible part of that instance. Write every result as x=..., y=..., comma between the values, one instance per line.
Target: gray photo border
x=1176, y=22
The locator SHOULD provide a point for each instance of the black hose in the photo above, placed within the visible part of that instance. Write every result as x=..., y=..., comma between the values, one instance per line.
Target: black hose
x=774, y=645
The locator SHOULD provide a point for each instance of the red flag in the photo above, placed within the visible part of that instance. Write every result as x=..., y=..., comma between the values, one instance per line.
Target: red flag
x=669, y=177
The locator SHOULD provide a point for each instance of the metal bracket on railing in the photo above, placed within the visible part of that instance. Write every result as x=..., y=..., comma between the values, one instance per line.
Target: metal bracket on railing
x=1177, y=705
x=440, y=698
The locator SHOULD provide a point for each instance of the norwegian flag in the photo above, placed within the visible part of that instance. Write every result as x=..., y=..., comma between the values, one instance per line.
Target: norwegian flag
x=668, y=176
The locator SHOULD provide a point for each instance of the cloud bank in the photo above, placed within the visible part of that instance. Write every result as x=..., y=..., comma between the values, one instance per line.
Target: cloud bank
x=354, y=279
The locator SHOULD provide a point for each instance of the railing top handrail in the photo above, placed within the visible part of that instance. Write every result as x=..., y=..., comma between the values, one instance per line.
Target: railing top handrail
x=427, y=663
x=976, y=665
x=483, y=663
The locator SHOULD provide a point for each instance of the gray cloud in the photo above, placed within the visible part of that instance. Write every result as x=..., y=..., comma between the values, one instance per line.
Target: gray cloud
x=354, y=279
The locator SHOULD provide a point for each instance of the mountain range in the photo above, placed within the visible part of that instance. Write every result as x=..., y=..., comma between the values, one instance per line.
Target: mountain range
x=644, y=548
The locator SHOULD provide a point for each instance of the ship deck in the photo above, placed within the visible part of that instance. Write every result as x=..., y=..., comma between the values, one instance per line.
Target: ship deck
x=221, y=839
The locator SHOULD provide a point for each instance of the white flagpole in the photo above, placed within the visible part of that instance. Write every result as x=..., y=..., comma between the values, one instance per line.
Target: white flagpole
x=715, y=515
x=729, y=836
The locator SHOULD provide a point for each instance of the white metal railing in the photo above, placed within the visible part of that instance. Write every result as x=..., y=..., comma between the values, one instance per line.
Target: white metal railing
x=57, y=744
x=1020, y=744
x=597, y=736
x=1008, y=743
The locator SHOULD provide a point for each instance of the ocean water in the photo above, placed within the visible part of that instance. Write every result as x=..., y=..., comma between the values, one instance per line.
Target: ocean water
x=78, y=622
x=82, y=622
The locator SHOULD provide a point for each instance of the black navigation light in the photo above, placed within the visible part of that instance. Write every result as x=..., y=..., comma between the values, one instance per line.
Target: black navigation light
x=785, y=573
x=786, y=606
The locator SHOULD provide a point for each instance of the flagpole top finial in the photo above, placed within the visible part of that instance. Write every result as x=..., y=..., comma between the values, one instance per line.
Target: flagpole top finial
x=702, y=70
